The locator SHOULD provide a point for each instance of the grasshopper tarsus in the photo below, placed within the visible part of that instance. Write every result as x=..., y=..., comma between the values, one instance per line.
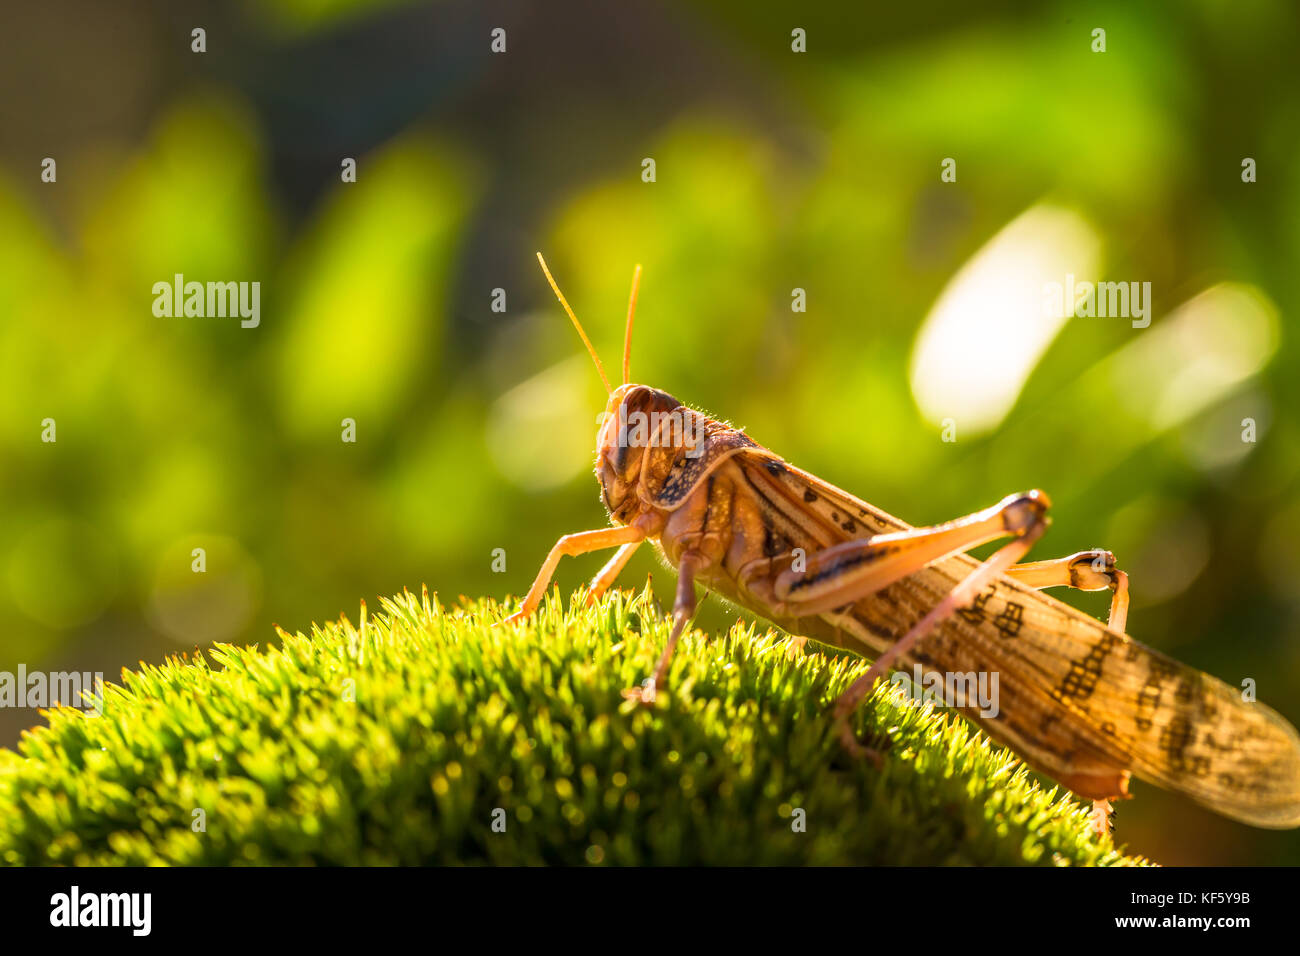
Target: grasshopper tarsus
x=646, y=693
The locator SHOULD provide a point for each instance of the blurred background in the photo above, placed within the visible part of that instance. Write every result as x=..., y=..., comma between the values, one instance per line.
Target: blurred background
x=774, y=171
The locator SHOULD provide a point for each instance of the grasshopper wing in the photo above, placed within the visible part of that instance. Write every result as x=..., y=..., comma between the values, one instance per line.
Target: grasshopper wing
x=1181, y=728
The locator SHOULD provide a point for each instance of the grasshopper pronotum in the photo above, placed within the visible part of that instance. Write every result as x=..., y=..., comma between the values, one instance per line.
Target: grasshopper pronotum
x=1079, y=700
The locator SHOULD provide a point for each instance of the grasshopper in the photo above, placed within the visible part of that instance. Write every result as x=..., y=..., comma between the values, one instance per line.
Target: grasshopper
x=1080, y=701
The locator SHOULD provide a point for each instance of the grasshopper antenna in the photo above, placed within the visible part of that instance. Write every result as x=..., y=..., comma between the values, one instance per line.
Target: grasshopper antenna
x=627, y=333
x=576, y=324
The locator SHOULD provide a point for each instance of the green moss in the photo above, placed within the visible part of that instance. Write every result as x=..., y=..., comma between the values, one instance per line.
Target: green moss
x=397, y=741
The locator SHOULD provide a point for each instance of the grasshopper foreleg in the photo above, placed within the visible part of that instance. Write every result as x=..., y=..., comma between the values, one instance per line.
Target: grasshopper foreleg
x=575, y=544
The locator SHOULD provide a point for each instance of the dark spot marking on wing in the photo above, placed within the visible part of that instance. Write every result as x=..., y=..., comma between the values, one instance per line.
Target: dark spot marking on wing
x=1148, y=699
x=1162, y=670
x=1175, y=738
x=1010, y=620
x=974, y=613
x=1082, y=678
x=809, y=495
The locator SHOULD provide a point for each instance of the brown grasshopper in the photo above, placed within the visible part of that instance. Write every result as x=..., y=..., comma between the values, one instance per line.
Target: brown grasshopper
x=1080, y=701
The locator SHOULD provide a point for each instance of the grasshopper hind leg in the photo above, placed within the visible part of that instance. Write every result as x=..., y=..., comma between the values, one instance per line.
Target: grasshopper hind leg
x=1086, y=571
x=1022, y=516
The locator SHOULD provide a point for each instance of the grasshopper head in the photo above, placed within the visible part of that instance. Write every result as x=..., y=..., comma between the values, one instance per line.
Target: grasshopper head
x=632, y=422
x=629, y=427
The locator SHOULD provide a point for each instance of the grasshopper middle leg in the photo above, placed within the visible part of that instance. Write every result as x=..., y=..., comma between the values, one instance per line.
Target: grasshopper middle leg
x=606, y=575
x=683, y=611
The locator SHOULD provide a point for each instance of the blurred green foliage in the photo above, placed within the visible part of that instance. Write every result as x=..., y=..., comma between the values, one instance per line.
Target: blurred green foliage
x=775, y=171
